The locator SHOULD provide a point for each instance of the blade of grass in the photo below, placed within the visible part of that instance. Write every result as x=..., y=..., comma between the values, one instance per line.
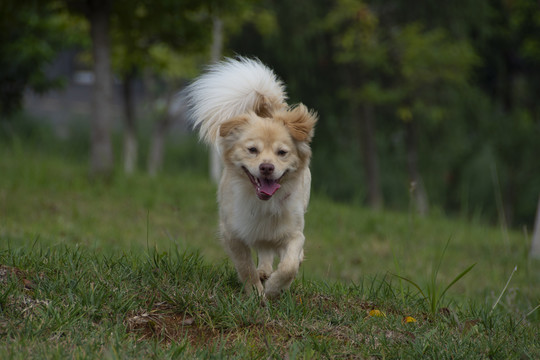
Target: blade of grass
x=504, y=289
x=396, y=264
x=527, y=315
x=456, y=279
x=432, y=287
x=413, y=284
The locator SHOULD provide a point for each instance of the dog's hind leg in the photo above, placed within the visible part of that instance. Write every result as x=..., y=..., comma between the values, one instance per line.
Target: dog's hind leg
x=240, y=254
x=291, y=257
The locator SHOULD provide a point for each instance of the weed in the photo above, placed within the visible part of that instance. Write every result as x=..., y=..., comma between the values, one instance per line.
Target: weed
x=434, y=292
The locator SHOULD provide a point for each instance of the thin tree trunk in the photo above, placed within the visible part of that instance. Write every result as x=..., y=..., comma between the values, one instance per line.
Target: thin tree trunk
x=101, y=153
x=217, y=39
x=535, y=246
x=215, y=163
x=157, y=146
x=130, y=126
x=366, y=130
x=510, y=196
x=418, y=191
x=155, y=157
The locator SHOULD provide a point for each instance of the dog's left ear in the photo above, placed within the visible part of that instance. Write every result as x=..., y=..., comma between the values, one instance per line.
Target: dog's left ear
x=300, y=122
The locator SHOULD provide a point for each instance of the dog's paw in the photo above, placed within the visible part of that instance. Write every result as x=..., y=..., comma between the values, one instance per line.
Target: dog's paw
x=263, y=275
x=255, y=288
x=272, y=288
x=272, y=294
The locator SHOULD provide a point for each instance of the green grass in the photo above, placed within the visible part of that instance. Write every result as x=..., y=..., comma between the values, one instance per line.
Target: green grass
x=133, y=269
x=76, y=303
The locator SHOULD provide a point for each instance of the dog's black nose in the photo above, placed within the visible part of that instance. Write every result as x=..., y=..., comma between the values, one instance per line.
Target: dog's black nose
x=266, y=169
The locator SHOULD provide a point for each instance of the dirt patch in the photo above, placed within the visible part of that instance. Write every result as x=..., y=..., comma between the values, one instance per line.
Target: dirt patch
x=7, y=272
x=163, y=322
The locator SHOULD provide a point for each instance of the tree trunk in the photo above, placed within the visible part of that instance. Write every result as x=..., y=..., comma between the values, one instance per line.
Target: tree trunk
x=535, y=246
x=155, y=156
x=217, y=47
x=101, y=153
x=417, y=189
x=366, y=130
x=130, y=126
x=217, y=39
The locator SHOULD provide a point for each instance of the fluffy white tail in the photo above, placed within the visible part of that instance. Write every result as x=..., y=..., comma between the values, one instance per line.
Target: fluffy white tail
x=231, y=88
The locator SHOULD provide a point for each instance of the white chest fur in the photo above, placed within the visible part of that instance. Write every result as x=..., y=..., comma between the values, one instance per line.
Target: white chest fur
x=253, y=220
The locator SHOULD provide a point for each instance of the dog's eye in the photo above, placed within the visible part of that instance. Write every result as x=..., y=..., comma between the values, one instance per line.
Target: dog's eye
x=282, y=152
x=253, y=150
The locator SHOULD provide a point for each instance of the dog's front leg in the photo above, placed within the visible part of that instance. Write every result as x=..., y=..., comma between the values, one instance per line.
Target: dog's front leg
x=240, y=254
x=266, y=259
x=291, y=255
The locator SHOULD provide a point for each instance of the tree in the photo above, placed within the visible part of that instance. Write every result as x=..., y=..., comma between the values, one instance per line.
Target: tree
x=430, y=63
x=398, y=66
x=101, y=153
x=172, y=66
x=359, y=46
x=31, y=35
x=535, y=246
x=216, y=166
x=123, y=33
x=34, y=32
x=511, y=78
x=97, y=14
x=139, y=28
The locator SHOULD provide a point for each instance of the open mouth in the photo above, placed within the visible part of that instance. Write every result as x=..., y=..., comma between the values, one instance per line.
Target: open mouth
x=264, y=187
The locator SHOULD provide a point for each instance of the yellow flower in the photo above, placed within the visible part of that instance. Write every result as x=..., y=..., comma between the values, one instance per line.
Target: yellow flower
x=377, y=313
x=409, y=319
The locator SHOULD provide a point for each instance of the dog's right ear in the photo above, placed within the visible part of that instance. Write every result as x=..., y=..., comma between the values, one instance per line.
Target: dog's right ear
x=232, y=125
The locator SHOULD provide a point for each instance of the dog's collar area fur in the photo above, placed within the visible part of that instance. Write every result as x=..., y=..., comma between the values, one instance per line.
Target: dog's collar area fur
x=264, y=187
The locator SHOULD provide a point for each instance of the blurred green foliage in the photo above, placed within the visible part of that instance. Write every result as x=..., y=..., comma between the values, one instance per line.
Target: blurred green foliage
x=31, y=34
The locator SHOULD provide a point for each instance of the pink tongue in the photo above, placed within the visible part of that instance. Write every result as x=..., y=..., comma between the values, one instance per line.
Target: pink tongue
x=268, y=187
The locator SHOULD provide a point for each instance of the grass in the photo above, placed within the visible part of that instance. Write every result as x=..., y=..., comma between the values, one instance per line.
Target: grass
x=76, y=304
x=132, y=269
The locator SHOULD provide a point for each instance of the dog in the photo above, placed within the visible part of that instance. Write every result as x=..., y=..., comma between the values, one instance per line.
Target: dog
x=239, y=106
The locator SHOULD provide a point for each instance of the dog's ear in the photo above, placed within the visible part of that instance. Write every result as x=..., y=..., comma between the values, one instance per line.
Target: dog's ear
x=263, y=107
x=231, y=125
x=266, y=106
x=300, y=122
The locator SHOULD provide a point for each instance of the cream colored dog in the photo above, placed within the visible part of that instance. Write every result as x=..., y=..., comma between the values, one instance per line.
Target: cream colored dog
x=263, y=194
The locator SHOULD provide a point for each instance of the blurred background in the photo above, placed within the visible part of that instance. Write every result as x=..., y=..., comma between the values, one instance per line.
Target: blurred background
x=424, y=106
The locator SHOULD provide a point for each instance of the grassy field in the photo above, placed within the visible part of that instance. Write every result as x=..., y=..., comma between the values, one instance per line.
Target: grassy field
x=132, y=268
